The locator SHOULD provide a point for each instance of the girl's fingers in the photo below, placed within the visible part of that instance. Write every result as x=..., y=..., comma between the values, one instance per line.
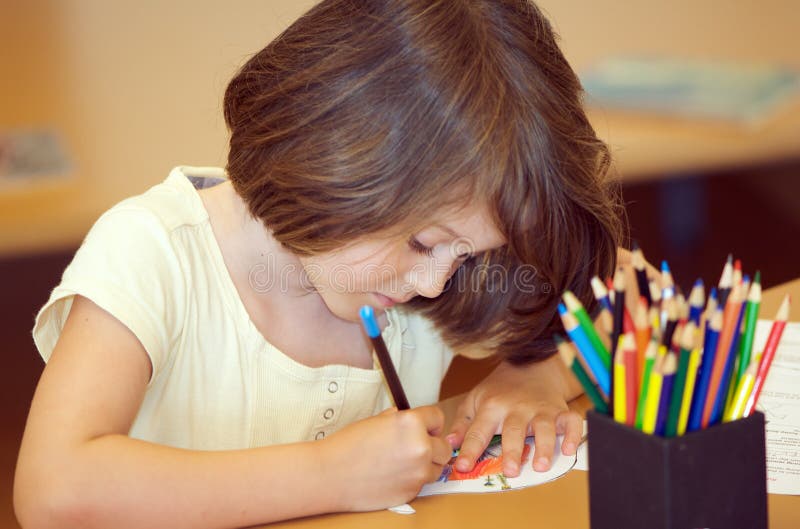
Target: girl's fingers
x=515, y=428
x=570, y=424
x=544, y=441
x=475, y=442
x=441, y=451
x=460, y=426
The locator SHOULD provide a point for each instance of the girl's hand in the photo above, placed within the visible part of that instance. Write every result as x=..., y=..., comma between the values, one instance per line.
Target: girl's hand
x=516, y=402
x=384, y=460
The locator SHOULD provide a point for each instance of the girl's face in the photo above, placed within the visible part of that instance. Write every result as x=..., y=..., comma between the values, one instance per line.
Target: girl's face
x=384, y=272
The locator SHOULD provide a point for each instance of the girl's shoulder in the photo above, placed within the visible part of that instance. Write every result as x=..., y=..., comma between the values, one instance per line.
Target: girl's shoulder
x=175, y=202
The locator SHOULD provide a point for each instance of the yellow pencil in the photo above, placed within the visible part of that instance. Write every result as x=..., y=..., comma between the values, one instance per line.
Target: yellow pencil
x=691, y=379
x=620, y=402
x=653, y=396
x=743, y=389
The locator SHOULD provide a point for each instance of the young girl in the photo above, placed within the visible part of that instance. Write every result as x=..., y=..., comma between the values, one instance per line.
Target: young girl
x=205, y=362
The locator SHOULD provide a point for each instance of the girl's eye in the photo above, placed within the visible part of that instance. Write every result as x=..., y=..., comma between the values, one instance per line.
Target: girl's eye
x=420, y=248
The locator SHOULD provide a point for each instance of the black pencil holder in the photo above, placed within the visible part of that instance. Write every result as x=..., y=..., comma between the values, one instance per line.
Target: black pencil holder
x=714, y=478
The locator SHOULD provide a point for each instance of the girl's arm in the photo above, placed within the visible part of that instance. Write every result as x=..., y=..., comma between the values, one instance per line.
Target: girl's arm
x=78, y=468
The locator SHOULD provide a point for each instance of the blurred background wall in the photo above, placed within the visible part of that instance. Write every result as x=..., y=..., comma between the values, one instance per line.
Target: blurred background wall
x=131, y=89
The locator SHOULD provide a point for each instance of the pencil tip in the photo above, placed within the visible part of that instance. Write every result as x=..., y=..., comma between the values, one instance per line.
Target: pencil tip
x=757, y=279
x=635, y=245
x=664, y=267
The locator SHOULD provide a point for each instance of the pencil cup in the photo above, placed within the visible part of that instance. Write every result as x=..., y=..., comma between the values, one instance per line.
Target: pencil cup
x=714, y=478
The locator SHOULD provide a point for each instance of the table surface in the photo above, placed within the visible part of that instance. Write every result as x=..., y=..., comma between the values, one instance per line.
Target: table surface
x=561, y=503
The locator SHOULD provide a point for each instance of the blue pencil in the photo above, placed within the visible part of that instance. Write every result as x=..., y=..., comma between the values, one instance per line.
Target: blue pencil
x=586, y=349
x=696, y=302
x=706, y=367
x=670, y=366
x=601, y=293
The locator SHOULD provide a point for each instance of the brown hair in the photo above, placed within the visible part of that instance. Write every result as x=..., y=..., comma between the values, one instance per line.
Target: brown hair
x=370, y=114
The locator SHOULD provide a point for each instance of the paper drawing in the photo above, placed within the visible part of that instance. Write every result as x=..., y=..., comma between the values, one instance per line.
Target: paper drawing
x=487, y=475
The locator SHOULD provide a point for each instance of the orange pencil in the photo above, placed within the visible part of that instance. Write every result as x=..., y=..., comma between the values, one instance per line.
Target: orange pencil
x=729, y=318
x=769, y=354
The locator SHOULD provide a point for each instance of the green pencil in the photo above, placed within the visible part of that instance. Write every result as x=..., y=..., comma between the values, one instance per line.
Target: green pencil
x=576, y=308
x=649, y=359
x=568, y=356
x=687, y=341
x=750, y=318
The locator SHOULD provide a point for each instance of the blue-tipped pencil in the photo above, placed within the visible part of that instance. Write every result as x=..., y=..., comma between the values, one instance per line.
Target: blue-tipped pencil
x=586, y=349
x=374, y=332
x=706, y=367
x=696, y=302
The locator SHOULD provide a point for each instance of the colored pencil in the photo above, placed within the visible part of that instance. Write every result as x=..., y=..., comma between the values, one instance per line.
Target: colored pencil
x=667, y=291
x=742, y=393
x=687, y=340
x=750, y=319
x=725, y=281
x=667, y=383
x=620, y=399
x=389, y=374
x=619, y=307
x=631, y=380
x=688, y=390
x=655, y=293
x=601, y=293
x=641, y=273
x=697, y=302
x=730, y=315
x=706, y=367
x=769, y=354
x=653, y=397
x=585, y=348
x=649, y=360
x=576, y=308
x=671, y=319
x=711, y=307
x=728, y=383
x=643, y=332
x=567, y=353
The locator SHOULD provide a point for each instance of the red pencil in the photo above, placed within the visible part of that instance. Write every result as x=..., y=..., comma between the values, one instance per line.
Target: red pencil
x=769, y=353
x=631, y=377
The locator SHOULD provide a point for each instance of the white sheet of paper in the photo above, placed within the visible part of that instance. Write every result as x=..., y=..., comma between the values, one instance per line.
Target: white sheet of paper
x=780, y=402
x=496, y=481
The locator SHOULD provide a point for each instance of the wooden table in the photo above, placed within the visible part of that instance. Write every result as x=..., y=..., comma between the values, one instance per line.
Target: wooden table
x=561, y=503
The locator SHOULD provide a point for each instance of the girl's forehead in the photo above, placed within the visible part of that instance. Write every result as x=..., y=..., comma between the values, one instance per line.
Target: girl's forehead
x=473, y=221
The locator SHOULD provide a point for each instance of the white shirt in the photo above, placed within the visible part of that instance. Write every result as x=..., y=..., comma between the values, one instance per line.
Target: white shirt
x=153, y=263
